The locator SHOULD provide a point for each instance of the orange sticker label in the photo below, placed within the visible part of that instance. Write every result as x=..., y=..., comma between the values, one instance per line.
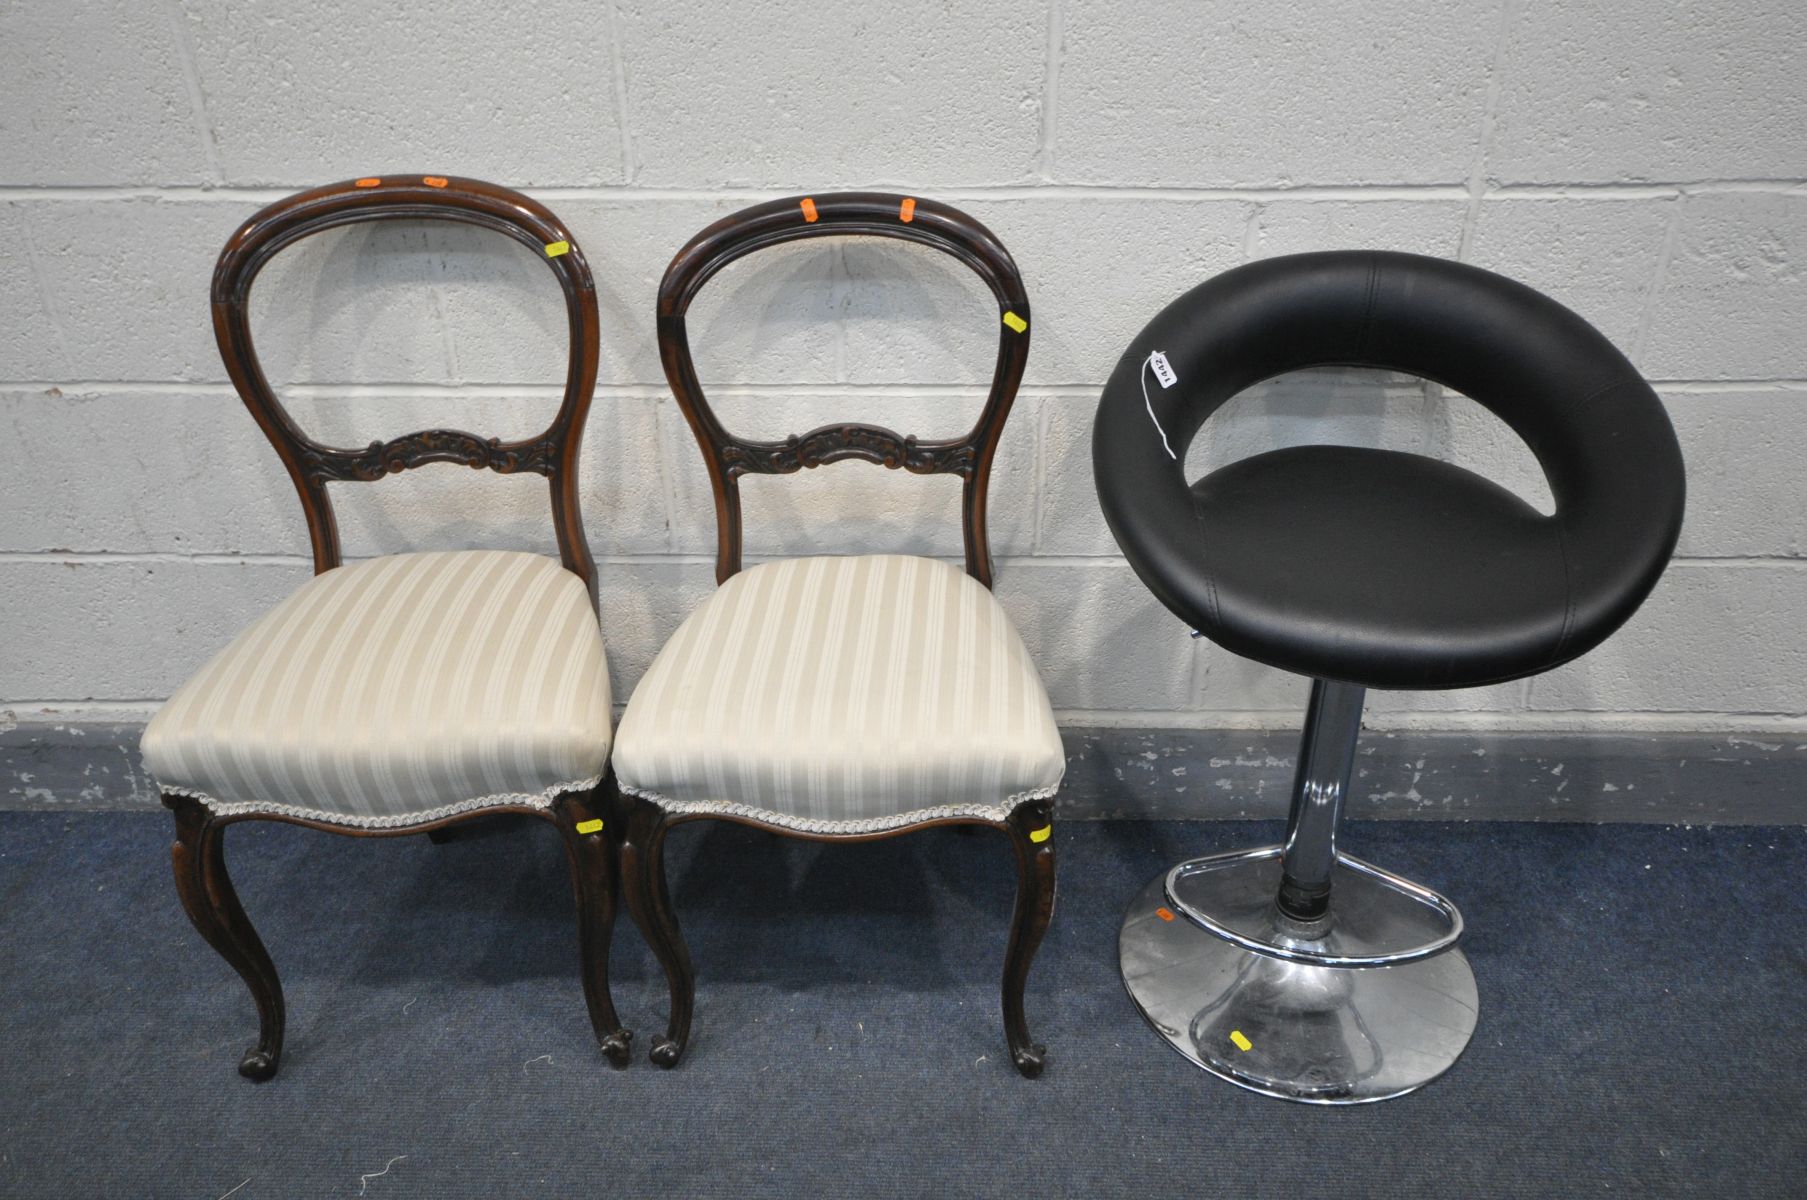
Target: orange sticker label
x=370, y=183
x=906, y=212
x=809, y=209
x=1166, y=914
x=434, y=180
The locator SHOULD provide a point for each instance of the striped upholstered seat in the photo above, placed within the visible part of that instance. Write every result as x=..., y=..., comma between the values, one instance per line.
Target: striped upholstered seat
x=395, y=692
x=843, y=695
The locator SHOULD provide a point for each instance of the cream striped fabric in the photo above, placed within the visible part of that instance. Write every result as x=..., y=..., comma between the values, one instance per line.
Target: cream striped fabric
x=397, y=691
x=843, y=694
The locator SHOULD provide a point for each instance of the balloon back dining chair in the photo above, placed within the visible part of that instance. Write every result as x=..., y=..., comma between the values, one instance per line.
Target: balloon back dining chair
x=401, y=694
x=852, y=697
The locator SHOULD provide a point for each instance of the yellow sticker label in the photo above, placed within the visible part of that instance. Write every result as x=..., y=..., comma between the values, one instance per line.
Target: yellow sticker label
x=1042, y=834
x=1242, y=1043
x=554, y=249
x=1015, y=322
x=594, y=825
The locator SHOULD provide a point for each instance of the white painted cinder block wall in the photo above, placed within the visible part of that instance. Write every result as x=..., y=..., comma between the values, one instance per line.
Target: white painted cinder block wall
x=1643, y=163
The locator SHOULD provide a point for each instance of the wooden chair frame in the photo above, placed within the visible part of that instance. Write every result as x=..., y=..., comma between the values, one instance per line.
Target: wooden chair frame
x=200, y=866
x=874, y=214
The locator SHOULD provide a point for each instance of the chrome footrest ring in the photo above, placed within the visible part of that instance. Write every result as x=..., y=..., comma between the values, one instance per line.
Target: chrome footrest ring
x=1376, y=919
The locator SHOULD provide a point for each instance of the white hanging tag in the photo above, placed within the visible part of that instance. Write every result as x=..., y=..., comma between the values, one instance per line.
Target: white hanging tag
x=1163, y=370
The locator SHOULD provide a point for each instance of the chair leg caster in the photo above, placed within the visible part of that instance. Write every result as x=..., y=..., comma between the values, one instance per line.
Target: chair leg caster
x=1030, y=1060
x=665, y=1052
x=258, y=1065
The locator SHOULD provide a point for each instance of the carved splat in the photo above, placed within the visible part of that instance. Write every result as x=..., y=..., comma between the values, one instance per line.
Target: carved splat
x=835, y=443
x=538, y=455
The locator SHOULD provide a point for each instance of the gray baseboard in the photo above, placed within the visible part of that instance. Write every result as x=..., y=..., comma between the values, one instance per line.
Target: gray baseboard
x=1178, y=774
x=1665, y=778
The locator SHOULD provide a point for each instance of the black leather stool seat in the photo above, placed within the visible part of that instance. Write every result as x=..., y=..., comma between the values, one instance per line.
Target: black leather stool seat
x=1350, y=563
x=1373, y=567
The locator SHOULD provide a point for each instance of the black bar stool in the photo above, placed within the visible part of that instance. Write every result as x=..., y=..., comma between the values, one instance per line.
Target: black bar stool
x=1297, y=970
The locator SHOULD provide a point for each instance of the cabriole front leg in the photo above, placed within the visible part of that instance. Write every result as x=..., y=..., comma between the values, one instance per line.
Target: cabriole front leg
x=590, y=826
x=212, y=904
x=649, y=902
x=1031, y=830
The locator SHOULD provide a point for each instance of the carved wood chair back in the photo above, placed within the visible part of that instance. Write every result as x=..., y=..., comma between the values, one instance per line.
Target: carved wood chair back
x=311, y=464
x=871, y=214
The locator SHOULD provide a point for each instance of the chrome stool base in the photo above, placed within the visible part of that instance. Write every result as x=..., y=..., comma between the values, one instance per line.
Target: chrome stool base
x=1297, y=971
x=1276, y=1006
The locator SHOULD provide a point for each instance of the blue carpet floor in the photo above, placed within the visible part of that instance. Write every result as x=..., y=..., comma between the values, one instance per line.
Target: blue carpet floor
x=1642, y=1032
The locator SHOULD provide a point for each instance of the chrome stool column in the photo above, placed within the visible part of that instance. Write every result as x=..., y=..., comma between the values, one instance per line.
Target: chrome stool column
x=1296, y=970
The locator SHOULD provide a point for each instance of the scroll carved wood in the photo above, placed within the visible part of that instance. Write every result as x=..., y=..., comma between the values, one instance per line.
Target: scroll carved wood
x=836, y=443
x=326, y=464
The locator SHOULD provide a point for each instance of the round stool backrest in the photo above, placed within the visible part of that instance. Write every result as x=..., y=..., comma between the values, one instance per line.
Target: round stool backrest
x=1595, y=426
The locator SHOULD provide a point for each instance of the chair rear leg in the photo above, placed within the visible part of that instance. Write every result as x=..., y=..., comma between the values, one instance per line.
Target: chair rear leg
x=649, y=901
x=1031, y=836
x=212, y=904
x=591, y=847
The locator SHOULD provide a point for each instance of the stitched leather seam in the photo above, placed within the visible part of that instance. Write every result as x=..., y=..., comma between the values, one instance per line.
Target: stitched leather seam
x=1205, y=549
x=1562, y=537
x=1605, y=388
x=1568, y=592
x=1361, y=343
